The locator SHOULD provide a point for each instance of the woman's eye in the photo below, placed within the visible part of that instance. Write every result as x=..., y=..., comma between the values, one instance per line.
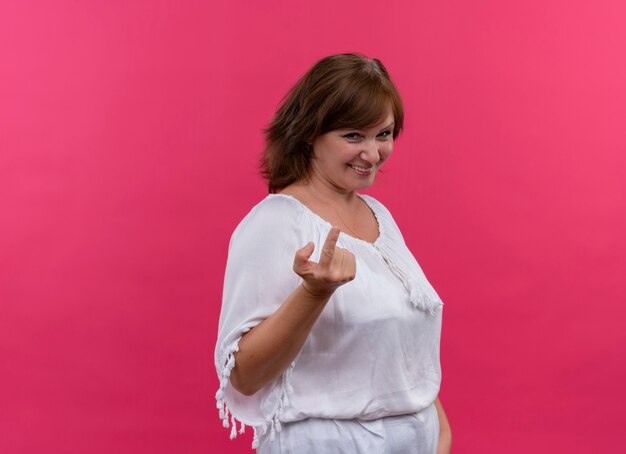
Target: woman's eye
x=385, y=134
x=353, y=136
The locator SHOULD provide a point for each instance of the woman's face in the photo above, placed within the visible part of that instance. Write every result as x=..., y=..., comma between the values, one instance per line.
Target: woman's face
x=348, y=159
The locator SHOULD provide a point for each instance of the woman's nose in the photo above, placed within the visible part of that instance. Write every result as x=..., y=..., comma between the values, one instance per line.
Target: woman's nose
x=370, y=152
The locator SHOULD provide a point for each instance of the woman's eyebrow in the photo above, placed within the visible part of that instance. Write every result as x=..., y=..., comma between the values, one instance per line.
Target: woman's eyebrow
x=365, y=129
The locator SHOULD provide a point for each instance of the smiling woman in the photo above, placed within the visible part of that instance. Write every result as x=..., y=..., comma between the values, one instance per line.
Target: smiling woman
x=341, y=93
x=329, y=333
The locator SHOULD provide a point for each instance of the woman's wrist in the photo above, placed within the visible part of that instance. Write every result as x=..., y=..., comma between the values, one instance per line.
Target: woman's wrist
x=316, y=295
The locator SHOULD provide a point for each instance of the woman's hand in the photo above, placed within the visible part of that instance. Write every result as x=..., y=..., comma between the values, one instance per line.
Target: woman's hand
x=445, y=443
x=336, y=267
x=445, y=433
x=267, y=349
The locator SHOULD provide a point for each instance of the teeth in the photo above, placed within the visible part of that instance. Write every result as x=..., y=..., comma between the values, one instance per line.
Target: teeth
x=361, y=169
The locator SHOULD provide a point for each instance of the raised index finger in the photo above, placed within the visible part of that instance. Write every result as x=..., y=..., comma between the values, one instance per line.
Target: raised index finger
x=328, y=250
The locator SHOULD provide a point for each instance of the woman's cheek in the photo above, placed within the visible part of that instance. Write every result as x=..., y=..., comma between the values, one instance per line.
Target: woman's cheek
x=386, y=152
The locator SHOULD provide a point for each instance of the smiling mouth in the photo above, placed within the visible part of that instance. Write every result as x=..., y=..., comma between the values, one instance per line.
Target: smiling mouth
x=361, y=170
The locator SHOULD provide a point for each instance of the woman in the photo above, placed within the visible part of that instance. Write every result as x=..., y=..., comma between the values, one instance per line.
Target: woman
x=329, y=333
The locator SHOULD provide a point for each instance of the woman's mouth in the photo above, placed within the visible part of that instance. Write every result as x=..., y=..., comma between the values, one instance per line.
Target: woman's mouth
x=363, y=171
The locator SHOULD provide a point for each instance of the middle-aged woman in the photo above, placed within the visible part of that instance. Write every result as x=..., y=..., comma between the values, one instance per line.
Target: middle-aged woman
x=329, y=333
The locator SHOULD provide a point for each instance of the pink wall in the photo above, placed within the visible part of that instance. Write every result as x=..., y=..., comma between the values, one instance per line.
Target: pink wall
x=129, y=133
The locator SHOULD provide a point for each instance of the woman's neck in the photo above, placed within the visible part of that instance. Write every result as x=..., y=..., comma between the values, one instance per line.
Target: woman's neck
x=327, y=192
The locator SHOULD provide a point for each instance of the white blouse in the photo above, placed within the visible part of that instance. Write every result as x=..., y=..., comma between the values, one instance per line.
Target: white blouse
x=374, y=350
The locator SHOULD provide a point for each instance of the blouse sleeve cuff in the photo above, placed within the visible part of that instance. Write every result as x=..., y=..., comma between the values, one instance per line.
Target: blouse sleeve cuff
x=225, y=399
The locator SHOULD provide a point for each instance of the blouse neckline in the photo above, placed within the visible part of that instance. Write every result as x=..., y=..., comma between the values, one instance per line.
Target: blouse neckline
x=381, y=230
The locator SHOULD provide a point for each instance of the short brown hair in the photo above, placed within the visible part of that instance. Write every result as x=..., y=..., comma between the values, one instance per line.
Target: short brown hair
x=338, y=92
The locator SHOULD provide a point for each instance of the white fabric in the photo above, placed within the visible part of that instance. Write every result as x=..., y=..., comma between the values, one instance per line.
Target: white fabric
x=373, y=352
x=417, y=433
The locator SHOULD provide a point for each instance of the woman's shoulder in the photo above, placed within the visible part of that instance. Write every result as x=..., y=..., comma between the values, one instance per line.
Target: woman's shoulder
x=277, y=208
x=385, y=220
x=376, y=205
x=274, y=214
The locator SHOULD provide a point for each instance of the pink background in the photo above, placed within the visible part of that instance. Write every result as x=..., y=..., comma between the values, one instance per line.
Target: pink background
x=129, y=135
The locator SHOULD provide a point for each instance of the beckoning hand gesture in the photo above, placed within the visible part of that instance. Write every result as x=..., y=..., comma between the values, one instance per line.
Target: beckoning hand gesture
x=336, y=267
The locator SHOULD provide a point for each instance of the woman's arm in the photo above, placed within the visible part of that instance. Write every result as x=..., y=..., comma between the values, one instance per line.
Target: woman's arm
x=445, y=433
x=267, y=350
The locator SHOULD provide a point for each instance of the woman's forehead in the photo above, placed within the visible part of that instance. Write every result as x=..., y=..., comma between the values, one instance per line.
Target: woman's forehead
x=385, y=121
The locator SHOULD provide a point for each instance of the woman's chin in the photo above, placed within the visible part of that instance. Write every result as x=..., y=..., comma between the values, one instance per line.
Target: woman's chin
x=363, y=185
x=363, y=182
